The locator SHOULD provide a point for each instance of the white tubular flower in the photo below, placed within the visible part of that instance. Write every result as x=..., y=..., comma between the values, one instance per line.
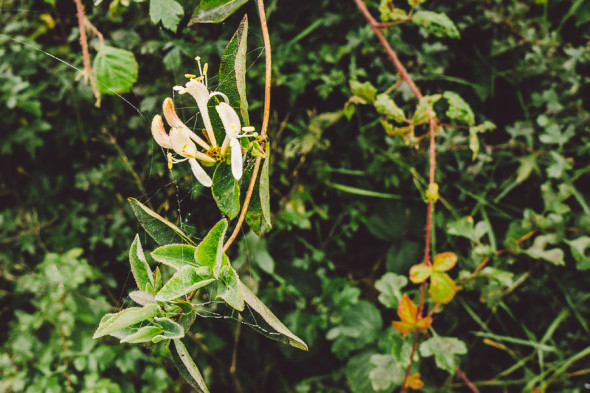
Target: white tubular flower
x=200, y=93
x=182, y=141
x=231, y=123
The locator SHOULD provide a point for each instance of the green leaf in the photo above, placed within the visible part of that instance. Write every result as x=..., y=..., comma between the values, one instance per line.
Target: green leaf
x=210, y=250
x=187, y=367
x=387, y=107
x=230, y=288
x=232, y=71
x=186, y=314
x=458, y=108
x=464, y=227
x=226, y=190
x=184, y=281
x=161, y=230
x=424, y=109
x=539, y=250
x=391, y=13
x=420, y=273
x=387, y=372
x=144, y=278
x=215, y=11
x=444, y=350
x=167, y=11
x=442, y=287
x=526, y=167
x=285, y=335
x=264, y=192
x=365, y=90
x=578, y=248
x=474, y=131
x=110, y=323
x=390, y=286
x=444, y=261
x=358, y=371
x=170, y=329
x=115, y=70
x=438, y=24
x=143, y=335
x=175, y=255
x=142, y=298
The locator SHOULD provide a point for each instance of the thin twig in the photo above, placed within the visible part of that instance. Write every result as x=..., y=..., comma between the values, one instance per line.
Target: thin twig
x=468, y=383
x=82, y=22
x=263, y=129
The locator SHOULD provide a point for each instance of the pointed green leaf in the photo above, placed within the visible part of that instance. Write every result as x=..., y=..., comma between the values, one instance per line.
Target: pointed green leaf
x=420, y=273
x=187, y=367
x=175, y=255
x=215, y=11
x=254, y=215
x=125, y=318
x=186, y=280
x=170, y=329
x=226, y=190
x=230, y=289
x=210, y=250
x=161, y=230
x=143, y=335
x=444, y=350
x=142, y=298
x=264, y=192
x=186, y=314
x=435, y=23
x=144, y=278
x=458, y=108
x=386, y=106
x=442, y=287
x=115, y=70
x=232, y=71
x=285, y=335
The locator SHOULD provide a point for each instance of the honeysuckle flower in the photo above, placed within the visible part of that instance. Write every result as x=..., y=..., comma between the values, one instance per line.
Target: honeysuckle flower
x=182, y=140
x=231, y=123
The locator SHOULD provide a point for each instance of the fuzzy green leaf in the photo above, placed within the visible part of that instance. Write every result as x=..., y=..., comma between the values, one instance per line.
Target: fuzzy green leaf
x=226, y=190
x=143, y=335
x=175, y=255
x=110, y=323
x=264, y=192
x=210, y=250
x=458, y=108
x=170, y=329
x=144, y=278
x=230, y=289
x=387, y=107
x=169, y=12
x=215, y=11
x=438, y=24
x=183, y=282
x=187, y=367
x=115, y=70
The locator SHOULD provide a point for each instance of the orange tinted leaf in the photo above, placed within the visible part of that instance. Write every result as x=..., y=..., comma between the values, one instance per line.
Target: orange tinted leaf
x=424, y=323
x=420, y=273
x=444, y=261
x=402, y=327
x=414, y=381
x=407, y=310
x=442, y=287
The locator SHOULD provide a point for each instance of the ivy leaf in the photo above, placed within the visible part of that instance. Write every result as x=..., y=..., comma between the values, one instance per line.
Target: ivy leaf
x=160, y=229
x=111, y=323
x=210, y=250
x=442, y=287
x=458, y=108
x=231, y=291
x=390, y=286
x=420, y=273
x=408, y=313
x=438, y=24
x=444, y=350
x=387, y=372
x=387, y=107
x=168, y=12
x=184, y=281
x=175, y=255
x=539, y=250
x=140, y=269
x=215, y=11
x=115, y=70
x=226, y=190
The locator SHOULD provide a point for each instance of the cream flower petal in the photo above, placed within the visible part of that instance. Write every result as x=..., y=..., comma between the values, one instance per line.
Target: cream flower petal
x=236, y=158
x=159, y=133
x=170, y=114
x=201, y=95
x=200, y=173
x=230, y=119
x=181, y=142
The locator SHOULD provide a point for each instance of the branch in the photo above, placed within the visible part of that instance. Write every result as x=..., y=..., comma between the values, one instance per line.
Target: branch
x=82, y=22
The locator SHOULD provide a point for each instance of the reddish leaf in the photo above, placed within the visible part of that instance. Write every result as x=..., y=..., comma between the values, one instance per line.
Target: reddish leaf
x=424, y=323
x=402, y=327
x=407, y=310
x=414, y=381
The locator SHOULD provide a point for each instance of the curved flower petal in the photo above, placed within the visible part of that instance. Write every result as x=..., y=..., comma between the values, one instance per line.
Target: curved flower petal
x=170, y=114
x=230, y=119
x=201, y=95
x=236, y=158
x=181, y=142
x=200, y=173
x=159, y=133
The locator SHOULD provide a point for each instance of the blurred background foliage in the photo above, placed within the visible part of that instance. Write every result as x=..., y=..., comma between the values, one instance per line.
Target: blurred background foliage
x=347, y=198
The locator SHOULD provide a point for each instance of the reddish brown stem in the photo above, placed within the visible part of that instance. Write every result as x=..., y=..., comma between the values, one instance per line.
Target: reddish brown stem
x=468, y=383
x=82, y=22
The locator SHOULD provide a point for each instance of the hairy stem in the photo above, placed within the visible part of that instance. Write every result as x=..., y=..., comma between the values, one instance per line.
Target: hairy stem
x=82, y=23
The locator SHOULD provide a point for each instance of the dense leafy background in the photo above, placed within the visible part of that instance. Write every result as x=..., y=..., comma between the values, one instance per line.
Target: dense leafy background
x=68, y=167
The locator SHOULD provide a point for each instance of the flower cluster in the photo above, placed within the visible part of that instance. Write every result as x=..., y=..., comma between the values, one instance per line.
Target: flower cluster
x=184, y=141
